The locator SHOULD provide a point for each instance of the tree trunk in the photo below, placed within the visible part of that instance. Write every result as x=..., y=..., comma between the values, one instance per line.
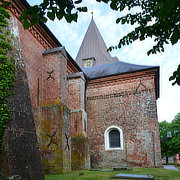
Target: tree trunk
x=166, y=159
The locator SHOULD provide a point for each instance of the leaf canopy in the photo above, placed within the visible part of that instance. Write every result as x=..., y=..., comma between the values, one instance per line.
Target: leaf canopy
x=159, y=19
x=170, y=146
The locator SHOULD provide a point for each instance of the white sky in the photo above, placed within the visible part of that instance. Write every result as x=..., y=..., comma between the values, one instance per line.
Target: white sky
x=71, y=36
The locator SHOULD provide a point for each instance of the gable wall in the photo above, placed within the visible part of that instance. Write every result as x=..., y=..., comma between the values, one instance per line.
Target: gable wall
x=119, y=103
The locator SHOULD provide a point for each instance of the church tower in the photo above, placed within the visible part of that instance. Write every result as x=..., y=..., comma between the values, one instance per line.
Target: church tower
x=120, y=102
x=93, y=50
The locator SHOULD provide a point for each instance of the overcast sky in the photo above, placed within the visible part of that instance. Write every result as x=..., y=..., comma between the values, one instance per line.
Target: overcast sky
x=71, y=36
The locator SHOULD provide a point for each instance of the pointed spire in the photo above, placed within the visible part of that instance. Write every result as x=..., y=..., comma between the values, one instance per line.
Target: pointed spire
x=93, y=46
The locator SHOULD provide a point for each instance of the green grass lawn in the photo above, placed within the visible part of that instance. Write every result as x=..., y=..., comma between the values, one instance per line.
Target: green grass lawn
x=158, y=173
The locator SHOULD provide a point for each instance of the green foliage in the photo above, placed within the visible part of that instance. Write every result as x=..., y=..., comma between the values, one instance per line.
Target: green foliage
x=6, y=71
x=164, y=127
x=174, y=143
x=176, y=76
x=52, y=9
x=170, y=146
x=154, y=18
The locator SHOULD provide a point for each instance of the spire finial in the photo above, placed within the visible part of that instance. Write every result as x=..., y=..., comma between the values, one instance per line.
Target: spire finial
x=92, y=10
x=92, y=13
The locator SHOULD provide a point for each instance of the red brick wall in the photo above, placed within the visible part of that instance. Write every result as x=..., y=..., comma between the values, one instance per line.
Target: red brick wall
x=79, y=141
x=54, y=116
x=44, y=90
x=75, y=96
x=54, y=72
x=75, y=93
x=117, y=103
x=46, y=78
x=20, y=148
x=32, y=51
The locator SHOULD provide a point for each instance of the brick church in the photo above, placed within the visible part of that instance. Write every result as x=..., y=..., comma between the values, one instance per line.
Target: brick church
x=92, y=112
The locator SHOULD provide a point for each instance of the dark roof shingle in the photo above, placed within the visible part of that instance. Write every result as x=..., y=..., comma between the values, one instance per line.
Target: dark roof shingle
x=114, y=68
x=93, y=46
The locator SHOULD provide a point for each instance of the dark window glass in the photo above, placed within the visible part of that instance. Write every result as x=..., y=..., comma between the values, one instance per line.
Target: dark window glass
x=114, y=139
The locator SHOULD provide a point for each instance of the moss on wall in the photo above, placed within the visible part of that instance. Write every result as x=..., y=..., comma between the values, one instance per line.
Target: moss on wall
x=79, y=152
x=51, y=138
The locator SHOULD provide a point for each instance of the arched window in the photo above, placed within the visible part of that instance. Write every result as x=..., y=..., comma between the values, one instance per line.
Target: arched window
x=113, y=137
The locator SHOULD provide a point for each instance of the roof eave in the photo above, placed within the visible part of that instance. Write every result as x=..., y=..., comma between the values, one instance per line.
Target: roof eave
x=157, y=87
x=27, y=6
x=122, y=73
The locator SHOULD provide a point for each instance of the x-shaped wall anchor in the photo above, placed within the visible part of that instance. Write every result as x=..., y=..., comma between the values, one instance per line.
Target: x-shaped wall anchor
x=50, y=75
x=51, y=139
x=67, y=141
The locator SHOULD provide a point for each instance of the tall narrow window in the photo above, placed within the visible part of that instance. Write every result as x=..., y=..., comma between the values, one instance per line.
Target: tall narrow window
x=113, y=137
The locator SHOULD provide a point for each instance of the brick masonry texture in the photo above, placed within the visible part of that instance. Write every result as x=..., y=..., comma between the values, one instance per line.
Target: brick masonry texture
x=130, y=105
x=54, y=78
x=20, y=155
x=55, y=116
x=80, y=153
x=78, y=123
x=47, y=83
x=59, y=117
x=55, y=137
x=39, y=105
x=80, y=143
x=76, y=90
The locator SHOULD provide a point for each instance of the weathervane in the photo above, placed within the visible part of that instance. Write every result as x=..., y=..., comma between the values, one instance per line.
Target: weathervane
x=92, y=10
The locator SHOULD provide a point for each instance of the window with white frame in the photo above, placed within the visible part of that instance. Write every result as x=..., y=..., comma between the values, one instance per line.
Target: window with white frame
x=113, y=137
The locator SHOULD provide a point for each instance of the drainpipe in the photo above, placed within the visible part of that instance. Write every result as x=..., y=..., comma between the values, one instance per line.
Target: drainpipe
x=154, y=150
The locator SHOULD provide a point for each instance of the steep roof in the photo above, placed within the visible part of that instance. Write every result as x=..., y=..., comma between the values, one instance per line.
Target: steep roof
x=115, y=68
x=94, y=46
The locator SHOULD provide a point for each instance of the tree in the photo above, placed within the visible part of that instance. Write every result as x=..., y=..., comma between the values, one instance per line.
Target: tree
x=174, y=144
x=170, y=146
x=164, y=127
x=51, y=9
x=154, y=18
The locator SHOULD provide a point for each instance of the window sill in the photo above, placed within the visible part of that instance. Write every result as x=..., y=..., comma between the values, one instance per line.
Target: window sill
x=114, y=149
